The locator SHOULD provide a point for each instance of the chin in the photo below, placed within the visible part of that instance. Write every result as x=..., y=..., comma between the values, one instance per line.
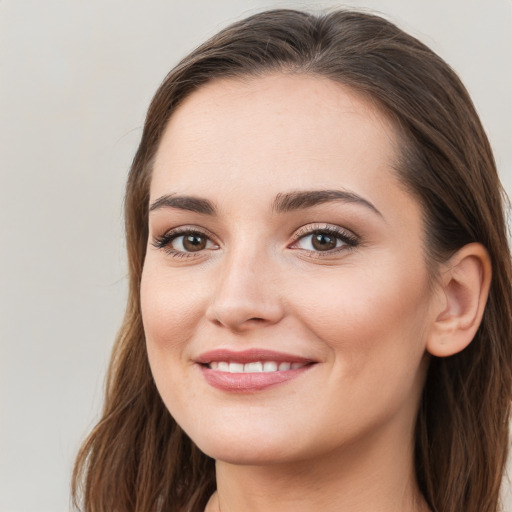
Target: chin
x=245, y=454
x=254, y=447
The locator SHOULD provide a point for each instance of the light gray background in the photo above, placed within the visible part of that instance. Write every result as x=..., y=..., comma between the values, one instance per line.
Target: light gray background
x=75, y=80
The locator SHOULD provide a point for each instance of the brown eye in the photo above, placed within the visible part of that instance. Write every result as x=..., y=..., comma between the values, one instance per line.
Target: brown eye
x=193, y=243
x=186, y=242
x=323, y=241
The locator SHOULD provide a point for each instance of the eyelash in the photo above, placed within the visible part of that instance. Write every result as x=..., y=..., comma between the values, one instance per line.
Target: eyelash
x=164, y=242
x=349, y=239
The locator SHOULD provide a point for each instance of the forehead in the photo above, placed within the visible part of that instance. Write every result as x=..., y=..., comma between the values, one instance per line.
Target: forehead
x=281, y=130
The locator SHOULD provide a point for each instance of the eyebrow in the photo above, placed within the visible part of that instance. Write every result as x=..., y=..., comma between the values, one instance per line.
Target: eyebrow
x=283, y=203
x=306, y=199
x=190, y=203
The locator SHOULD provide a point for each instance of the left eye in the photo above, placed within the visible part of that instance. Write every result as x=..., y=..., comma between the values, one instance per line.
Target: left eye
x=322, y=241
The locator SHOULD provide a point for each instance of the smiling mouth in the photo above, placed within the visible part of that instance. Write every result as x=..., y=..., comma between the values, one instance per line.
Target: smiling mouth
x=255, y=367
x=251, y=370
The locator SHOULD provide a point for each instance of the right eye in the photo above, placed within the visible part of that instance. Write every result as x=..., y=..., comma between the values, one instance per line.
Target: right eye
x=184, y=242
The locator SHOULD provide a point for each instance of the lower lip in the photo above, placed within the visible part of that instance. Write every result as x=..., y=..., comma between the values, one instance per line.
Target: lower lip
x=247, y=382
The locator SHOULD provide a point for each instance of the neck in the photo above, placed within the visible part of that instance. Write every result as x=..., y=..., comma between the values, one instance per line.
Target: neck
x=375, y=477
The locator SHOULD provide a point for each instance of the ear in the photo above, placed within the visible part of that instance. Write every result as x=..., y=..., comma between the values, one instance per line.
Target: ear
x=465, y=280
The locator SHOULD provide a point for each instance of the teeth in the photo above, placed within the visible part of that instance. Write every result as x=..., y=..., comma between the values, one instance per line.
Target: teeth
x=236, y=367
x=254, y=367
x=251, y=367
x=270, y=366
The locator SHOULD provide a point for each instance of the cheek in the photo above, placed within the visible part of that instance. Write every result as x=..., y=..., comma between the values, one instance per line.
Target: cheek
x=369, y=317
x=374, y=324
x=171, y=307
x=171, y=313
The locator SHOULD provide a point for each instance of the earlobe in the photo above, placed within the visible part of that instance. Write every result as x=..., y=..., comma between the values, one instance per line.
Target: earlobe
x=464, y=283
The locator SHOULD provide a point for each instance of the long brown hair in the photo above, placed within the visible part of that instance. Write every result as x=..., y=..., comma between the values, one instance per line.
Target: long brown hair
x=137, y=459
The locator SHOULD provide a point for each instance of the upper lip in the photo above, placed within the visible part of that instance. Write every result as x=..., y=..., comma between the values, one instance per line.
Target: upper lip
x=249, y=356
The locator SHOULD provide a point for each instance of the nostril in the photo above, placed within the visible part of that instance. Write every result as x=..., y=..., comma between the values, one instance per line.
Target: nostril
x=238, y=311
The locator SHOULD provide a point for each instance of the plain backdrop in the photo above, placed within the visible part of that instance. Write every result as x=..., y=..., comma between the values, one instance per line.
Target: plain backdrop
x=75, y=80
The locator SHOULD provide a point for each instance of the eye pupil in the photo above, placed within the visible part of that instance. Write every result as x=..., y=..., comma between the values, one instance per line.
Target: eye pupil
x=323, y=241
x=194, y=243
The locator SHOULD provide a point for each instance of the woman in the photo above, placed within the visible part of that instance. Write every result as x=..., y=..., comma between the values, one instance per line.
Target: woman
x=320, y=305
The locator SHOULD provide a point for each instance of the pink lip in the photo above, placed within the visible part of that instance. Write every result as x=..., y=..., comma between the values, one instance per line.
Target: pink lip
x=249, y=356
x=249, y=382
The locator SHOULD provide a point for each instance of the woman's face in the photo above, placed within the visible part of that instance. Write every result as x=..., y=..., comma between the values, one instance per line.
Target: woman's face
x=285, y=294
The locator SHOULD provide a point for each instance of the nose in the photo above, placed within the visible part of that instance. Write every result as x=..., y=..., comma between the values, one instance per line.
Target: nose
x=247, y=294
